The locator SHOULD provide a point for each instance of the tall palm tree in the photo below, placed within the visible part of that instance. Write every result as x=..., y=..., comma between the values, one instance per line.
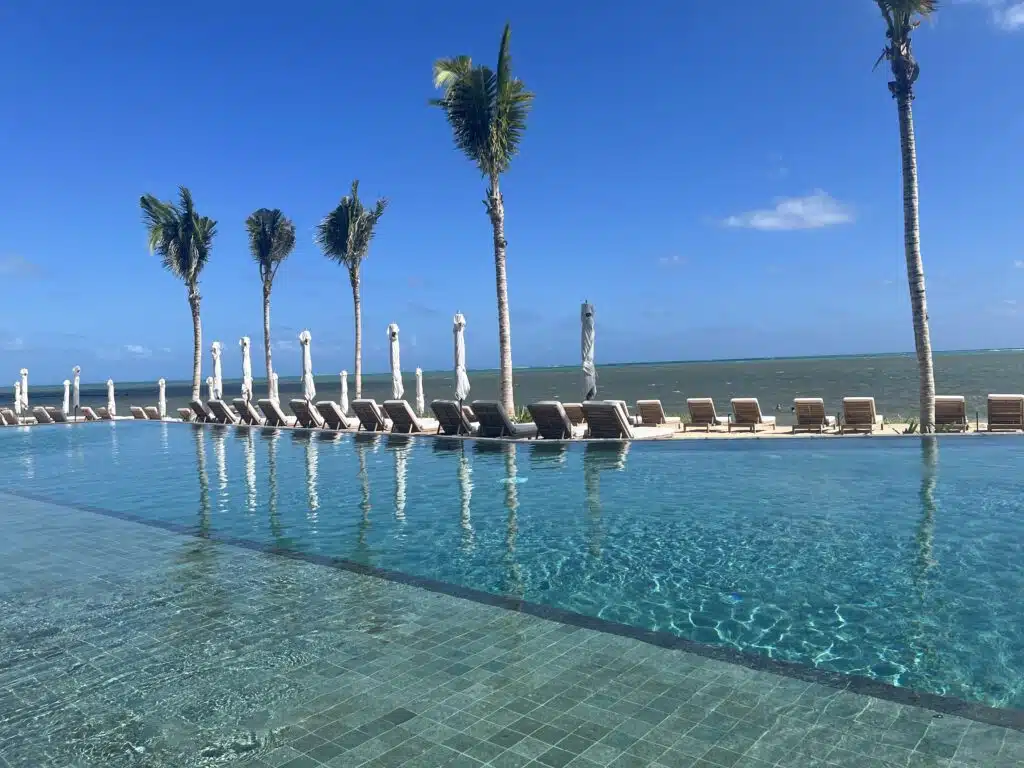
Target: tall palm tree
x=271, y=241
x=487, y=111
x=344, y=236
x=902, y=17
x=183, y=240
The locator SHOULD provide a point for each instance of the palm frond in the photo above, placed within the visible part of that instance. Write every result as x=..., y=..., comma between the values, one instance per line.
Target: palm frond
x=448, y=71
x=178, y=234
x=345, y=233
x=271, y=240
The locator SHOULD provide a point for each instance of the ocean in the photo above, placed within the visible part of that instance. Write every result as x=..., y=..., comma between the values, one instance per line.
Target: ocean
x=890, y=379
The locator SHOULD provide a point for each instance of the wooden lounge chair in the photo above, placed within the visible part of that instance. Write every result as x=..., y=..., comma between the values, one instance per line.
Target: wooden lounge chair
x=221, y=413
x=246, y=413
x=138, y=413
x=333, y=416
x=575, y=412
x=306, y=415
x=494, y=422
x=42, y=417
x=451, y=420
x=811, y=416
x=1005, y=412
x=746, y=413
x=553, y=423
x=57, y=414
x=403, y=419
x=702, y=414
x=89, y=413
x=9, y=417
x=859, y=415
x=185, y=414
x=202, y=415
x=606, y=420
x=104, y=413
x=651, y=414
x=275, y=416
x=152, y=412
x=951, y=413
x=371, y=417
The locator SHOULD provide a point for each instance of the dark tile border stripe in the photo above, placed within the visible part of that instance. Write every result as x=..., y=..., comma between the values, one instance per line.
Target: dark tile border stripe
x=1006, y=718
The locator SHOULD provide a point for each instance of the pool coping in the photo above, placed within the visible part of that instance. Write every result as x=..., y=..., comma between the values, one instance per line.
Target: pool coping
x=949, y=705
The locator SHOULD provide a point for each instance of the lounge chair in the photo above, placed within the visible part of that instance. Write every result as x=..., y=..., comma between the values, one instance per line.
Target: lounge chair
x=152, y=412
x=272, y=410
x=651, y=414
x=746, y=413
x=494, y=422
x=10, y=417
x=702, y=414
x=859, y=415
x=89, y=413
x=403, y=420
x=104, y=413
x=138, y=413
x=607, y=420
x=42, y=417
x=951, y=413
x=221, y=413
x=1005, y=412
x=371, y=417
x=57, y=414
x=185, y=414
x=305, y=415
x=202, y=415
x=553, y=423
x=246, y=413
x=575, y=412
x=811, y=416
x=333, y=416
x=451, y=420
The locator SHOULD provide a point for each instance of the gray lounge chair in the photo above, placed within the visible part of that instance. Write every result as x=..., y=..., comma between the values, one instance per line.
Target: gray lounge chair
x=306, y=415
x=221, y=413
x=702, y=414
x=652, y=414
x=333, y=417
x=811, y=416
x=57, y=414
x=575, y=412
x=203, y=416
x=152, y=412
x=371, y=417
x=104, y=413
x=403, y=420
x=553, y=423
x=138, y=413
x=89, y=413
x=275, y=416
x=859, y=415
x=607, y=420
x=42, y=417
x=452, y=420
x=494, y=422
x=1005, y=412
x=951, y=413
x=746, y=414
x=9, y=417
x=247, y=413
x=185, y=414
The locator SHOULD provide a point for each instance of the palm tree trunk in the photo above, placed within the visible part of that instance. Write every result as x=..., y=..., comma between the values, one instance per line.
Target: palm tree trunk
x=357, y=307
x=197, y=341
x=915, y=268
x=496, y=211
x=266, y=339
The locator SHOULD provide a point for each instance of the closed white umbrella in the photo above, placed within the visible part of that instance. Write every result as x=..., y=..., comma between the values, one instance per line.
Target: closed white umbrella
x=312, y=460
x=17, y=398
x=397, y=390
x=420, y=402
x=344, y=392
x=250, y=471
x=461, y=377
x=211, y=388
x=401, y=473
x=246, y=369
x=218, y=379
x=76, y=388
x=162, y=400
x=465, y=497
x=66, y=405
x=308, y=386
x=24, y=389
x=587, y=351
x=111, y=404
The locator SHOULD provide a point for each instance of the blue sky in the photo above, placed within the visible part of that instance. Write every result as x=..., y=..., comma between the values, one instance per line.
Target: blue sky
x=720, y=180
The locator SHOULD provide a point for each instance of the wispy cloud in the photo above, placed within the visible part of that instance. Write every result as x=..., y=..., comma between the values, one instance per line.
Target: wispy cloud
x=814, y=211
x=285, y=344
x=137, y=350
x=1018, y=263
x=675, y=260
x=9, y=343
x=18, y=266
x=1006, y=14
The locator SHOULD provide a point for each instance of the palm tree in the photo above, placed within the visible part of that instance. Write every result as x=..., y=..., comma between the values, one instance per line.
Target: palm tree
x=901, y=18
x=487, y=112
x=344, y=236
x=183, y=240
x=271, y=241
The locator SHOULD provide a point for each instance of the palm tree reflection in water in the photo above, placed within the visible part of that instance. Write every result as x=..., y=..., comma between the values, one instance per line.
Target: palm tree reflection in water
x=512, y=576
x=364, y=442
x=272, y=436
x=199, y=434
x=599, y=457
x=922, y=626
x=312, y=473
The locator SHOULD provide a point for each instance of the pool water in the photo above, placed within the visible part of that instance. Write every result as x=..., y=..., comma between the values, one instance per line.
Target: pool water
x=898, y=560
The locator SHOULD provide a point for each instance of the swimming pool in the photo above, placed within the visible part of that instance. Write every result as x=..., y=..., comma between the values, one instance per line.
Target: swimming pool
x=892, y=559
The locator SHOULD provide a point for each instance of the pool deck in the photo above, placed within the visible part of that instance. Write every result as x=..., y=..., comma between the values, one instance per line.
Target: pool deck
x=128, y=645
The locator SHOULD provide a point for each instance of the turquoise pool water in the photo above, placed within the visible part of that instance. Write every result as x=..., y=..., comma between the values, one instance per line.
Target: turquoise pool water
x=894, y=559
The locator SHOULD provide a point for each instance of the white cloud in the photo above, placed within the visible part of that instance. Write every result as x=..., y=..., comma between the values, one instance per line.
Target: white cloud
x=1011, y=302
x=674, y=260
x=1019, y=263
x=165, y=350
x=811, y=212
x=1012, y=17
x=285, y=345
x=12, y=344
x=137, y=350
x=1006, y=14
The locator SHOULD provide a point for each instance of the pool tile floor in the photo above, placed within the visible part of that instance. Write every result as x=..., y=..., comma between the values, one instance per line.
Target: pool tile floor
x=126, y=645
